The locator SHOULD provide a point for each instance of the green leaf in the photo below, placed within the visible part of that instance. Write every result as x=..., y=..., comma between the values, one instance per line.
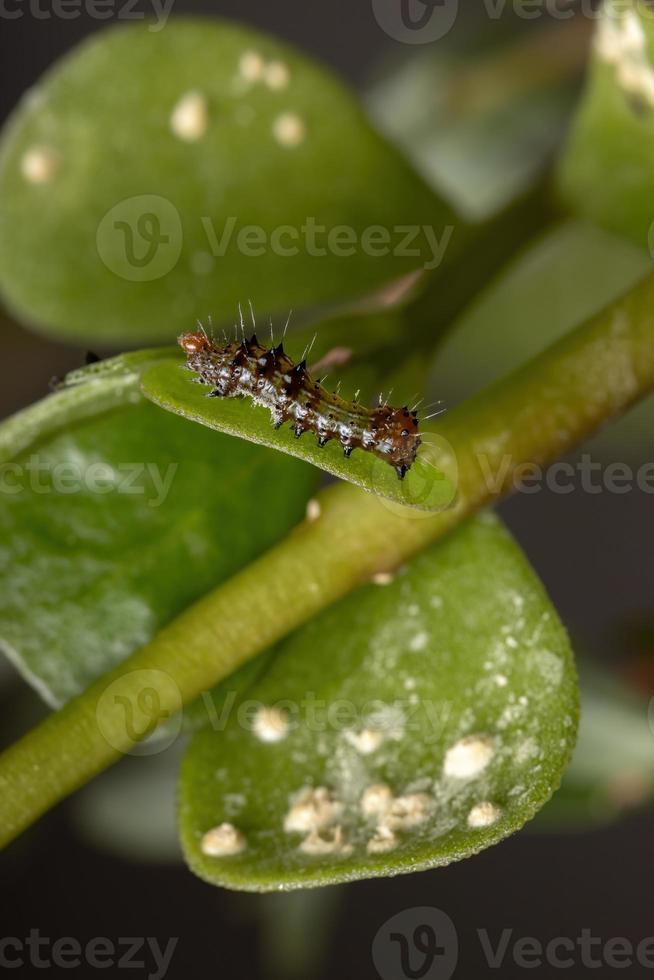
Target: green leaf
x=561, y=279
x=607, y=171
x=481, y=124
x=426, y=485
x=110, y=525
x=462, y=645
x=611, y=771
x=114, y=227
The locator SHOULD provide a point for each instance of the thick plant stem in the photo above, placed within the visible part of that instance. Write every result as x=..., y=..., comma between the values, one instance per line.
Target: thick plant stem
x=536, y=414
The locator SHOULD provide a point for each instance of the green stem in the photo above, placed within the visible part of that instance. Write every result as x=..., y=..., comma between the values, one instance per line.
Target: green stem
x=536, y=414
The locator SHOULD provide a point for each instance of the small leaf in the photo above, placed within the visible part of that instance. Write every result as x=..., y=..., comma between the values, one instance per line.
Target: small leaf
x=426, y=486
x=112, y=524
x=155, y=177
x=607, y=171
x=453, y=686
x=561, y=279
x=611, y=771
x=481, y=124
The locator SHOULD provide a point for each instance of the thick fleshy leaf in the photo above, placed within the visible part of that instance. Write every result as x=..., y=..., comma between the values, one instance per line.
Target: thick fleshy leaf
x=157, y=176
x=426, y=485
x=612, y=770
x=453, y=687
x=559, y=280
x=562, y=279
x=478, y=120
x=111, y=524
x=607, y=171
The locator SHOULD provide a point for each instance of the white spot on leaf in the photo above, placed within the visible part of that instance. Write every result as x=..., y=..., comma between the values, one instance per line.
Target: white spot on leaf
x=277, y=75
x=383, y=841
x=251, y=66
x=376, y=800
x=468, y=757
x=270, y=724
x=289, y=129
x=190, y=117
x=419, y=641
x=312, y=810
x=365, y=741
x=484, y=815
x=223, y=841
x=313, y=510
x=39, y=164
x=327, y=841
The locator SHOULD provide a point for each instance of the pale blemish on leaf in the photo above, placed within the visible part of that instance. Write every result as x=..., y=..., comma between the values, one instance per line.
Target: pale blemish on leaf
x=289, y=129
x=484, y=815
x=376, y=800
x=251, y=66
x=277, y=75
x=383, y=841
x=468, y=757
x=39, y=164
x=189, y=119
x=314, y=510
x=223, y=841
x=328, y=841
x=365, y=741
x=621, y=41
x=312, y=810
x=271, y=724
x=419, y=641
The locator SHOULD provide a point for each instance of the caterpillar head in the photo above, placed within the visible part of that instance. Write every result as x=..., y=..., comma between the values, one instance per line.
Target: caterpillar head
x=397, y=430
x=194, y=342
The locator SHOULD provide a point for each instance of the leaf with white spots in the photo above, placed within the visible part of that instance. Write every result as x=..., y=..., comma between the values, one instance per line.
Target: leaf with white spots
x=419, y=721
x=155, y=177
x=607, y=171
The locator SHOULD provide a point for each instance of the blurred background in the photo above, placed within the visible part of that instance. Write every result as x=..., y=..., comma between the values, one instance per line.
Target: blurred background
x=106, y=862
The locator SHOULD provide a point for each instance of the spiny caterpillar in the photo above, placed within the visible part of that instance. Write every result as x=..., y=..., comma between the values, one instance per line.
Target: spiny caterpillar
x=271, y=379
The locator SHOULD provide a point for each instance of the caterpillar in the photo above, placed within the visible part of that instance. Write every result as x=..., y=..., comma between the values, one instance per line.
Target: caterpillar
x=271, y=378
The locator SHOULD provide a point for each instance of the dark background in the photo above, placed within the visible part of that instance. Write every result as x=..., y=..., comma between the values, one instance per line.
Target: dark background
x=594, y=555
